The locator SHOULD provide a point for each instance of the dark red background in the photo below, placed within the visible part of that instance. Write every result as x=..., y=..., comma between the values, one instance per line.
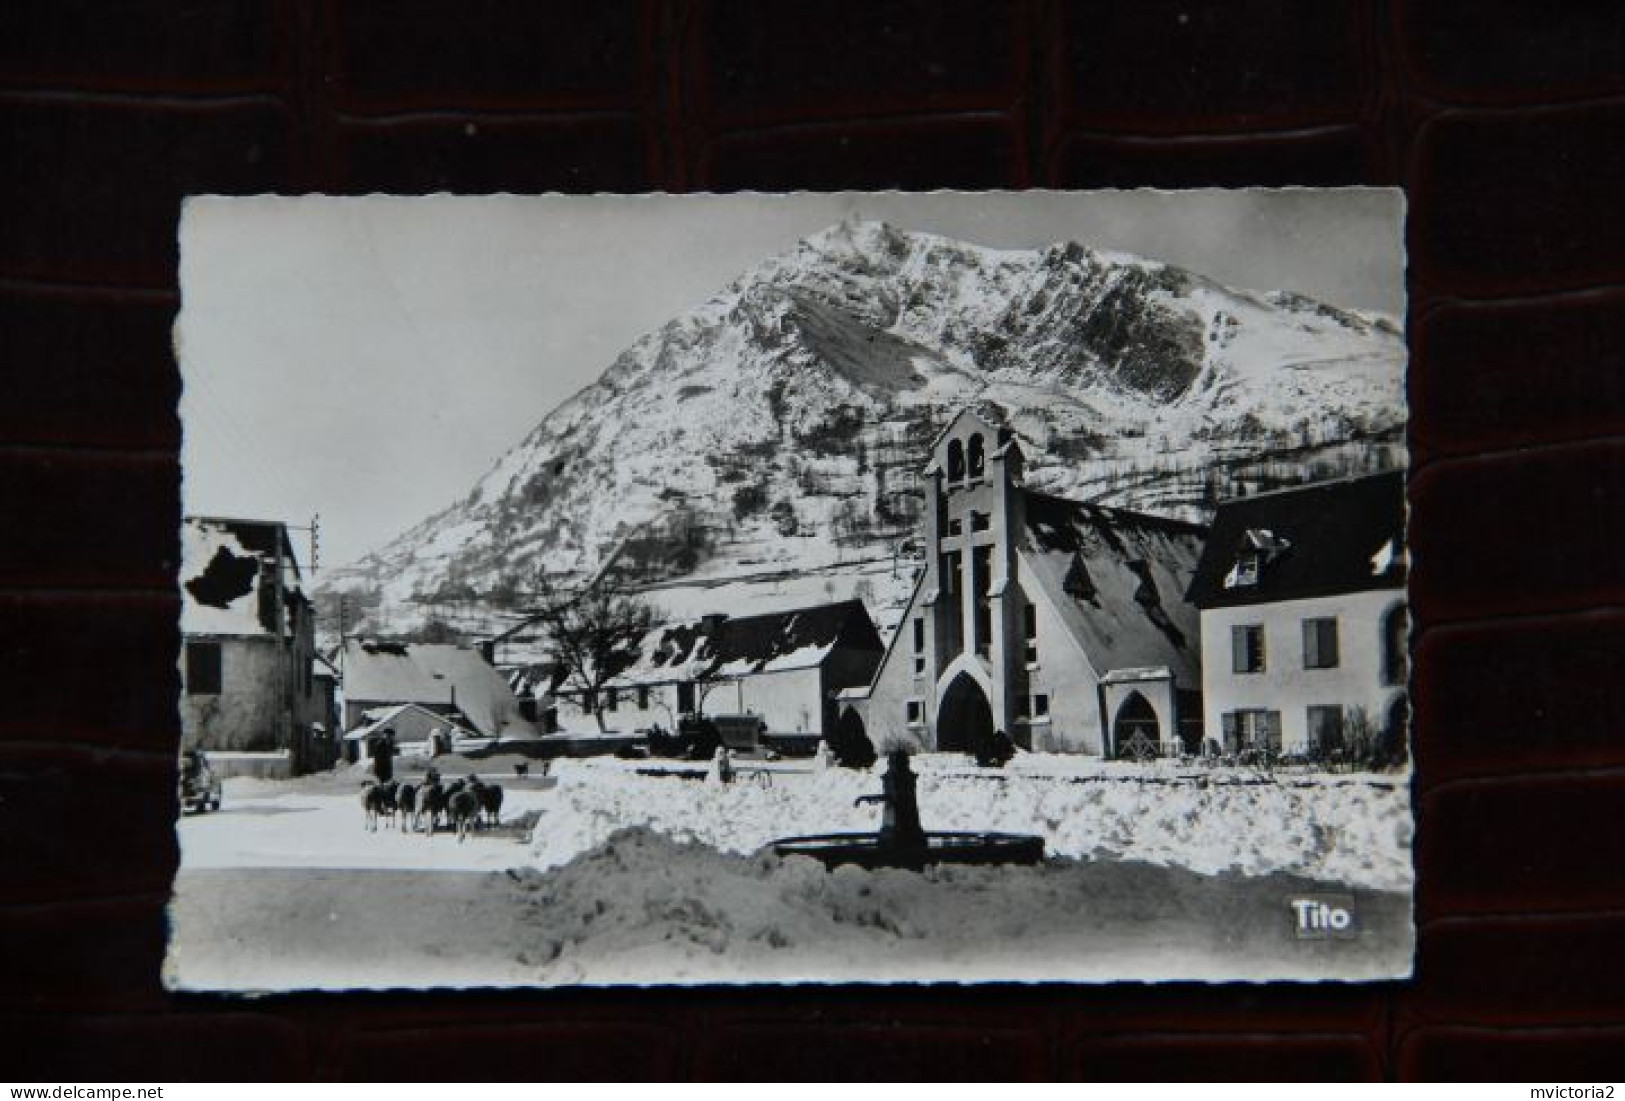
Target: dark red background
x=1503, y=120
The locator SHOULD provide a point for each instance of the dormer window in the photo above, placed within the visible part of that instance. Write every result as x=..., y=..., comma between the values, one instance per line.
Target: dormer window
x=1259, y=548
x=956, y=461
x=1244, y=572
x=977, y=458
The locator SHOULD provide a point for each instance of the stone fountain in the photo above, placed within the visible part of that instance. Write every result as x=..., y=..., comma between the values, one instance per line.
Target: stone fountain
x=902, y=842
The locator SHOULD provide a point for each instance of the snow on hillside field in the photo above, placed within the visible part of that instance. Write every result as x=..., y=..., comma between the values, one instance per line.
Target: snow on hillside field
x=1352, y=829
x=780, y=424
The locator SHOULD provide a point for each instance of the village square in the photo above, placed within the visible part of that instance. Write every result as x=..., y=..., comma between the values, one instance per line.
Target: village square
x=1227, y=700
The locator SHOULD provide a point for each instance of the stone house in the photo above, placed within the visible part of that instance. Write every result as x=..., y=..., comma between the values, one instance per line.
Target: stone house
x=784, y=667
x=454, y=681
x=248, y=646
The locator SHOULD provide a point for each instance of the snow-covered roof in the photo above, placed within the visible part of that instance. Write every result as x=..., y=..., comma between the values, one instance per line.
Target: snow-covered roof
x=771, y=643
x=1137, y=676
x=228, y=577
x=1118, y=580
x=399, y=672
x=398, y=716
x=1332, y=537
x=534, y=680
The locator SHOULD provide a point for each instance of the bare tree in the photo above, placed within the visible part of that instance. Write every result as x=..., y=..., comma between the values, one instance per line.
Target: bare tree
x=594, y=634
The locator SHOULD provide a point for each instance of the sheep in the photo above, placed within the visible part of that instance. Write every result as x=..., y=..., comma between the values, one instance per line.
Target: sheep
x=491, y=802
x=465, y=809
x=406, y=806
x=377, y=801
x=431, y=804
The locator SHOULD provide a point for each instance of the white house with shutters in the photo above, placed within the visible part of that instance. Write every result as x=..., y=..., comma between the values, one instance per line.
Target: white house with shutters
x=1304, y=628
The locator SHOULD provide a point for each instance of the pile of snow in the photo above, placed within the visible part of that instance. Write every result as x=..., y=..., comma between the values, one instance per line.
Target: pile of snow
x=1349, y=829
x=641, y=907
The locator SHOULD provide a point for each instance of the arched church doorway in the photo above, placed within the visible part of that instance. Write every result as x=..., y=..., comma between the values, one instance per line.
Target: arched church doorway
x=965, y=719
x=850, y=741
x=1136, y=734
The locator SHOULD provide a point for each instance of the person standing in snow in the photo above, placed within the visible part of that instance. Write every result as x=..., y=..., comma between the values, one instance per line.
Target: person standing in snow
x=824, y=759
x=383, y=755
x=722, y=766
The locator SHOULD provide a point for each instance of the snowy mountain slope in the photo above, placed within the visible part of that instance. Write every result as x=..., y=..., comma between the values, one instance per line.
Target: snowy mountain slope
x=778, y=426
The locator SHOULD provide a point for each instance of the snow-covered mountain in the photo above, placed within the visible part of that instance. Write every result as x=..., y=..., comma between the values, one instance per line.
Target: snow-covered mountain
x=779, y=425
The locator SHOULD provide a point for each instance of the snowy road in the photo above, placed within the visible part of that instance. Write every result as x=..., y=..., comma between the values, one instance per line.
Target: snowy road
x=296, y=830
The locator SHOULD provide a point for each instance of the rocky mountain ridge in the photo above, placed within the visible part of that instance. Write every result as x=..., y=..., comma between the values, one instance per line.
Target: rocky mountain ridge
x=779, y=425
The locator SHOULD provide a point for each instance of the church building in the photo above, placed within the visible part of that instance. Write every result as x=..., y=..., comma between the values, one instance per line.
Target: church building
x=1060, y=623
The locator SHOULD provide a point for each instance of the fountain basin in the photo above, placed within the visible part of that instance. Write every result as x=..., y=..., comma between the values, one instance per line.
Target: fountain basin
x=942, y=847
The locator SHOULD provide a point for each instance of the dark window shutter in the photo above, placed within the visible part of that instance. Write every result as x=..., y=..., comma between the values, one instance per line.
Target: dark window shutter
x=1238, y=649
x=1230, y=735
x=1272, y=729
x=203, y=674
x=1320, y=643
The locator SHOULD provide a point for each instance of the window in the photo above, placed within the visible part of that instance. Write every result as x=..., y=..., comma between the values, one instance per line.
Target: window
x=914, y=710
x=1247, y=648
x=956, y=461
x=643, y=697
x=1325, y=729
x=202, y=668
x=1244, y=572
x=1029, y=625
x=977, y=457
x=1040, y=707
x=612, y=699
x=589, y=702
x=919, y=647
x=980, y=521
x=685, y=697
x=982, y=581
x=1320, y=643
x=1395, y=644
x=1252, y=729
x=950, y=619
x=956, y=526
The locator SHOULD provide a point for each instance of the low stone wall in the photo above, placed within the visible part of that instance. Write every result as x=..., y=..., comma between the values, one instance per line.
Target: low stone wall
x=584, y=745
x=261, y=766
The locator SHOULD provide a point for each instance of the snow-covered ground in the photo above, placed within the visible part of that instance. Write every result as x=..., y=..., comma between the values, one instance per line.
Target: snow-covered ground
x=1165, y=873
x=641, y=908
x=1353, y=829
x=259, y=826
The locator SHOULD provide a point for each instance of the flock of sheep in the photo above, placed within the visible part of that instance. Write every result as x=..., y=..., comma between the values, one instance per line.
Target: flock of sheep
x=461, y=805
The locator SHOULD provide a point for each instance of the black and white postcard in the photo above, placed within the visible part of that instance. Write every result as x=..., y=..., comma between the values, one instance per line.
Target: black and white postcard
x=793, y=588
